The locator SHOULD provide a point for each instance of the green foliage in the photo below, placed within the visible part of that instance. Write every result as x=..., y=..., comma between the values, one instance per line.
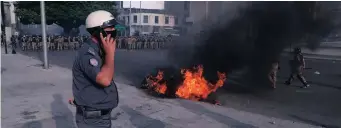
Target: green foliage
x=67, y=14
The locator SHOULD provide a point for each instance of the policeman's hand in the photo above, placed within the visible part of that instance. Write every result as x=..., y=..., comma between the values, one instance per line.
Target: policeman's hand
x=109, y=44
x=71, y=101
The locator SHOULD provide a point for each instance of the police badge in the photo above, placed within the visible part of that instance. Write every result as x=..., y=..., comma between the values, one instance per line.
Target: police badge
x=93, y=62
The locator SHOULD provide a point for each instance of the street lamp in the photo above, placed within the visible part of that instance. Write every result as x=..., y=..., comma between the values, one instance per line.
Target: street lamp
x=43, y=31
x=206, y=10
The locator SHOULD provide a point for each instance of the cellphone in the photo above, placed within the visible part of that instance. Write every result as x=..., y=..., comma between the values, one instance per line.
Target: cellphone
x=104, y=33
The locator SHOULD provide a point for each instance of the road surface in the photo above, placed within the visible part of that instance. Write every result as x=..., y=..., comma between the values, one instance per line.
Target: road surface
x=287, y=106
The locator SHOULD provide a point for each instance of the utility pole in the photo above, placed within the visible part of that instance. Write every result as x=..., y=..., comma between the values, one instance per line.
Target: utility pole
x=206, y=10
x=3, y=18
x=43, y=31
x=140, y=18
x=129, y=19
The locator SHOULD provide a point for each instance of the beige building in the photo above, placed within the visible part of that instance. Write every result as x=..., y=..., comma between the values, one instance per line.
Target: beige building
x=147, y=23
x=10, y=19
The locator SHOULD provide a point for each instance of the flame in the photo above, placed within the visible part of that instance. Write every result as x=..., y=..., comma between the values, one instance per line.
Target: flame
x=194, y=86
x=156, y=83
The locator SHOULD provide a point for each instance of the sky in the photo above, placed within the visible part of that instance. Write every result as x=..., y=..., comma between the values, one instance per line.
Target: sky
x=144, y=4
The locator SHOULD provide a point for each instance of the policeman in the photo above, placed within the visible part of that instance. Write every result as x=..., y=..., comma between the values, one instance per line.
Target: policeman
x=139, y=43
x=297, y=66
x=120, y=42
x=273, y=73
x=134, y=43
x=95, y=93
x=145, y=40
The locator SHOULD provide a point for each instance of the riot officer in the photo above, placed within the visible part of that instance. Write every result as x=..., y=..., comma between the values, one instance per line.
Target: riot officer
x=133, y=42
x=297, y=65
x=120, y=41
x=95, y=93
x=273, y=73
x=15, y=41
x=145, y=42
x=139, y=43
x=60, y=40
x=130, y=42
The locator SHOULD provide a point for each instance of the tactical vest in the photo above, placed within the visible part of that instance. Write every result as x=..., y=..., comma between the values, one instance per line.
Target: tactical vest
x=297, y=60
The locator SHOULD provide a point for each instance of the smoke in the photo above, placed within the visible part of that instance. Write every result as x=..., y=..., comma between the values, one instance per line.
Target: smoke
x=253, y=38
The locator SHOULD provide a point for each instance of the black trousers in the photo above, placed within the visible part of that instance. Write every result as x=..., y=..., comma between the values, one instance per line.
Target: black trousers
x=84, y=121
x=298, y=72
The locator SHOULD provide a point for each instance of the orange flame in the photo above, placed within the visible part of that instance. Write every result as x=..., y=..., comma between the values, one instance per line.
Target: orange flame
x=156, y=84
x=194, y=86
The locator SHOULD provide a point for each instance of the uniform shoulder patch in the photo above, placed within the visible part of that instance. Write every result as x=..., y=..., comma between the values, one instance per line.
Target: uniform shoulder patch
x=91, y=51
x=93, y=62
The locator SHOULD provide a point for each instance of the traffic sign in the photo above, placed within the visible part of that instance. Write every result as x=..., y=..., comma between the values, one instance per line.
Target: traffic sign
x=120, y=27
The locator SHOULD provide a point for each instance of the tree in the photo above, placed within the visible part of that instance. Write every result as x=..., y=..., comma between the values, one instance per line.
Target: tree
x=67, y=14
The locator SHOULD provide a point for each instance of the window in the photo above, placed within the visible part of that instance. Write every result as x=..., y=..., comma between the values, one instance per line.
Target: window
x=186, y=5
x=135, y=18
x=166, y=20
x=145, y=19
x=176, y=20
x=156, y=29
x=156, y=19
x=187, y=8
x=128, y=18
x=145, y=28
x=124, y=19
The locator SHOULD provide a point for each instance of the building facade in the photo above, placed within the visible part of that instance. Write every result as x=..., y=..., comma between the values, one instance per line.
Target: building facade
x=192, y=14
x=10, y=21
x=146, y=21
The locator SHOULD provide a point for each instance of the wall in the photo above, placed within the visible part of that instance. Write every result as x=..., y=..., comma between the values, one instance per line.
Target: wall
x=151, y=26
x=216, y=10
x=144, y=4
x=151, y=19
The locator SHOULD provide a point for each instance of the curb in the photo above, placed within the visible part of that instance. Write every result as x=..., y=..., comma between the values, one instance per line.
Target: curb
x=317, y=56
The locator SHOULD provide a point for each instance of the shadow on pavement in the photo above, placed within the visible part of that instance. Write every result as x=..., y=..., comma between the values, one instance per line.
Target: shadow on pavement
x=130, y=66
x=141, y=121
x=200, y=110
x=61, y=113
x=33, y=124
x=313, y=122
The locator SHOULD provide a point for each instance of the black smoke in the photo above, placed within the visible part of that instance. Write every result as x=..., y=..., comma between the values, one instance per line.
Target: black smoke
x=254, y=38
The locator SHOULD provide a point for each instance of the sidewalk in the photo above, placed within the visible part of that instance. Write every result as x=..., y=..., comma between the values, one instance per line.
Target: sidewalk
x=322, y=53
x=34, y=97
x=331, y=44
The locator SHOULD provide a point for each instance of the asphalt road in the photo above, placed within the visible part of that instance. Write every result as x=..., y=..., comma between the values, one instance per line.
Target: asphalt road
x=318, y=105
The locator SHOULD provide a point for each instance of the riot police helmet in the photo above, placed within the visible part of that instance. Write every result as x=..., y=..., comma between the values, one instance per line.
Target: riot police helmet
x=297, y=50
x=97, y=21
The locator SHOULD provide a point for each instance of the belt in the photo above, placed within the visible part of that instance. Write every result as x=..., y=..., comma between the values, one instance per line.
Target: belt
x=81, y=109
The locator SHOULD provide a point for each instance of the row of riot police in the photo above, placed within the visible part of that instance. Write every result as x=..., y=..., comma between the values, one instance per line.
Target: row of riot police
x=58, y=43
x=143, y=42
x=3, y=39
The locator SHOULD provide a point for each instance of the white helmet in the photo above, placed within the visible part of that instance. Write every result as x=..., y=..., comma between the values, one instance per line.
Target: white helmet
x=100, y=18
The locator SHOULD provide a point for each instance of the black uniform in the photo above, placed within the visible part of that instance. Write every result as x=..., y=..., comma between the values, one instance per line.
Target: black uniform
x=297, y=66
x=94, y=102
